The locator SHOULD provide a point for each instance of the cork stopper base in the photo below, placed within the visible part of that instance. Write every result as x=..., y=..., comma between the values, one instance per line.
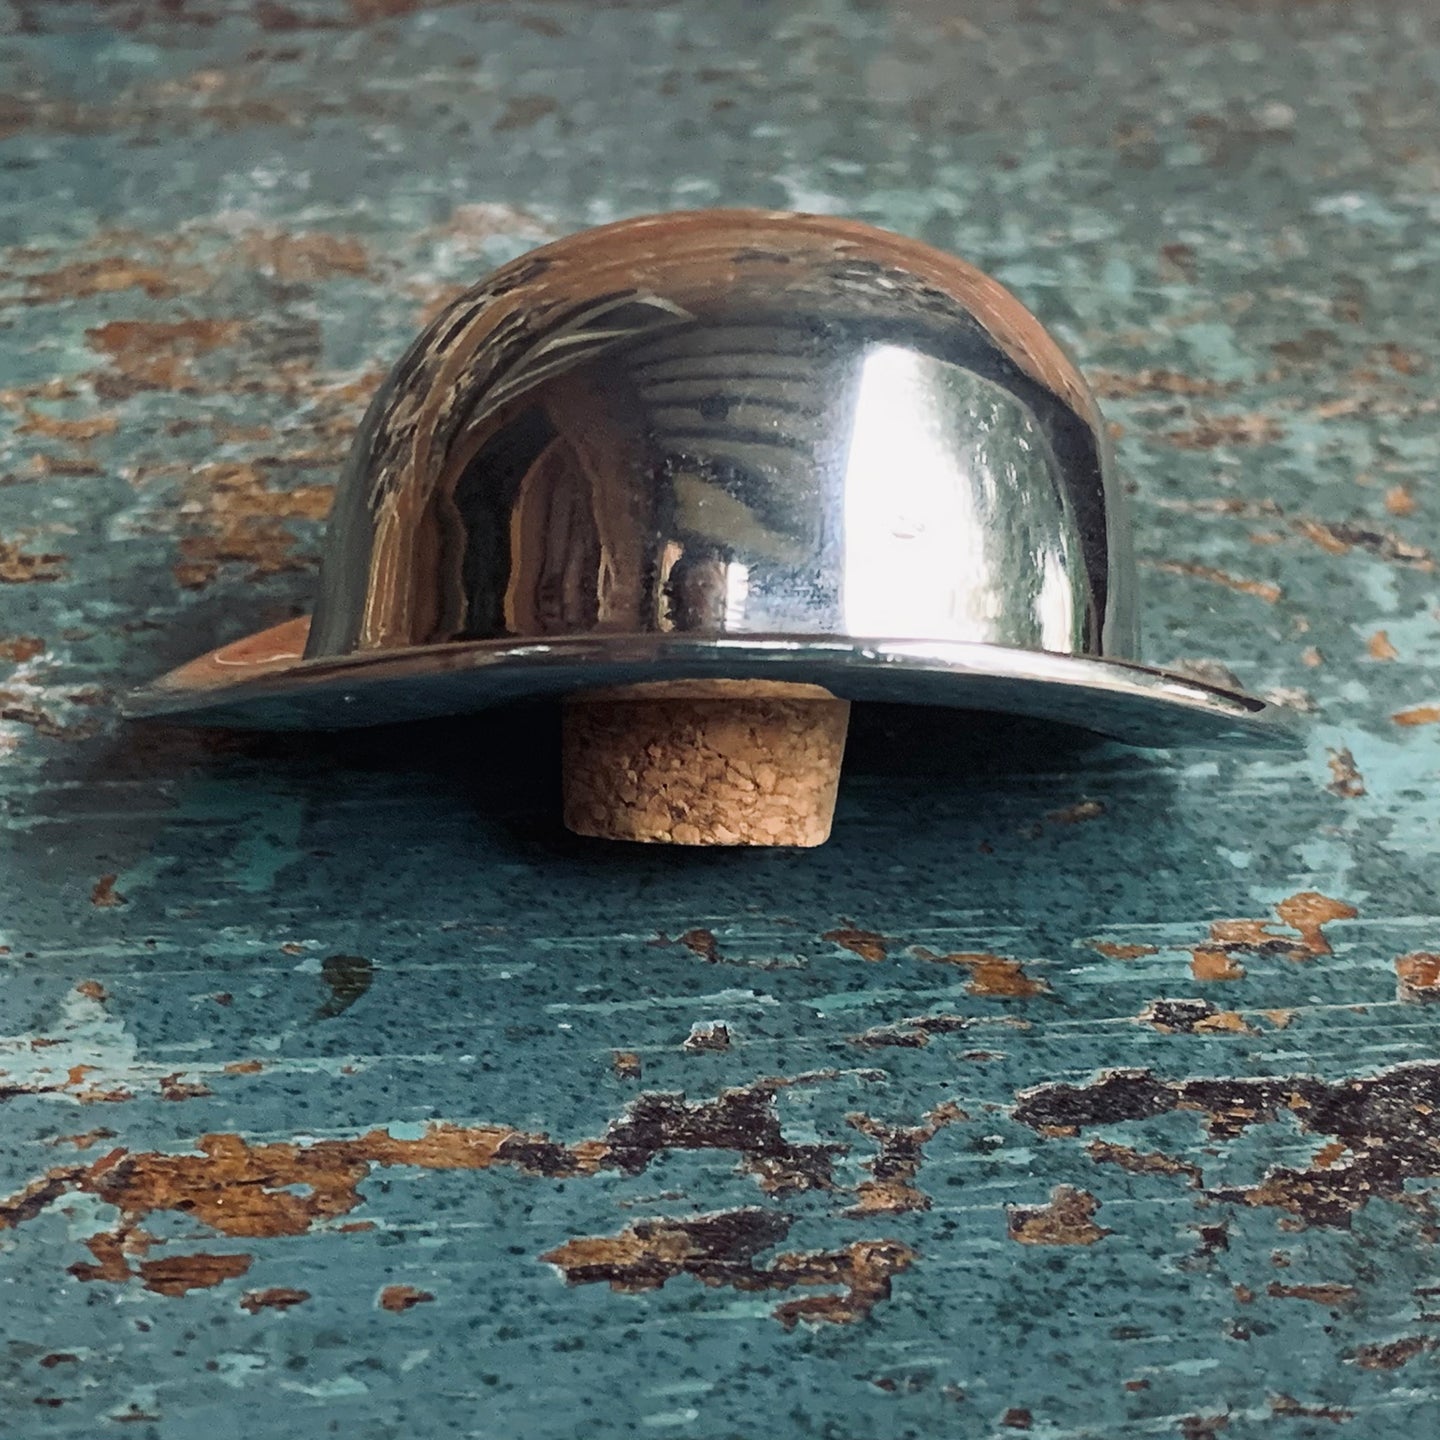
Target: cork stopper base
x=712, y=762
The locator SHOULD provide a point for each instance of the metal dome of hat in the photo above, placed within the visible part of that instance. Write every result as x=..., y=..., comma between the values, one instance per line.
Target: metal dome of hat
x=725, y=446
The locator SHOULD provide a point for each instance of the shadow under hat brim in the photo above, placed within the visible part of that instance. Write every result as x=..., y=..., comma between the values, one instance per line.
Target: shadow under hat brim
x=263, y=682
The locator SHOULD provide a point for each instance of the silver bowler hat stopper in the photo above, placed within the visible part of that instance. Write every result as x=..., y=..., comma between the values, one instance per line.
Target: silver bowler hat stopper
x=711, y=476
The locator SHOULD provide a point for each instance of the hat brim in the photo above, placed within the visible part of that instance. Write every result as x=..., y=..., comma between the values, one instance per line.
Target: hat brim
x=264, y=682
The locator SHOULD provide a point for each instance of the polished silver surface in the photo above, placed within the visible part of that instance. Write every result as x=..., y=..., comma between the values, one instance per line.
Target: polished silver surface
x=731, y=424
x=735, y=442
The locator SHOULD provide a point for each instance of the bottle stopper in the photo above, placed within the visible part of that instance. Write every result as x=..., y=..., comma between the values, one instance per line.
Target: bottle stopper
x=705, y=479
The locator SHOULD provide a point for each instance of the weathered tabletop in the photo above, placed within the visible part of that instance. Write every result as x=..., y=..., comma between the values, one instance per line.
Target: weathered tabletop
x=1084, y=1096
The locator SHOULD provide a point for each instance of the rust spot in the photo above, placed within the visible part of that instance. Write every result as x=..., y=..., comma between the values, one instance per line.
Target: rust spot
x=1066, y=1220
x=1399, y=501
x=1287, y=1405
x=1017, y=1418
x=994, y=976
x=92, y=990
x=20, y=648
x=21, y=710
x=891, y=1189
x=1262, y=589
x=347, y=977
x=110, y=1264
x=1345, y=779
x=244, y=1067
x=176, y=1274
x=1192, y=1017
x=1420, y=715
x=1393, y=1355
x=1140, y=1162
x=26, y=567
x=1307, y=913
x=1384, y=1121
x=1378, y=647
x=698, y=942
x=1123, y=385
x=626, y=1064
x=104, y=894
x=1418, y=976
x=741, y=1119
x=244, y=1190
x=239, y=522
x=720, y=1249
x=867, y=944
x=156, y=354
x=1212, y=431
x=172, y=1087
x=1340, y=539
x=399, y=1298
x=707, y=1036
x=1323, y=536
x=1203, y=1427
x=85, y=1141
x=81, y=430
x=278, y=1297
x=313, y=256
x=99, y=277
x=1077, y=813
x=911, y=1034
x=1114, y=950
x=1207, y=964
x=59, y=1357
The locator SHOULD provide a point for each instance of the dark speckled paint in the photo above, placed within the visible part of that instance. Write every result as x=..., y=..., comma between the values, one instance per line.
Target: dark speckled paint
x=1180, y=1185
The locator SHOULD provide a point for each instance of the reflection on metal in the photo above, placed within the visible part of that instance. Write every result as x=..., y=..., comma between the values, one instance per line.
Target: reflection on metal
x=726, y=443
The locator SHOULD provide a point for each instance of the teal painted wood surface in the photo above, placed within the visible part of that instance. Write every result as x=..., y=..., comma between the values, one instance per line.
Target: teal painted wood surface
x=1080, y=1096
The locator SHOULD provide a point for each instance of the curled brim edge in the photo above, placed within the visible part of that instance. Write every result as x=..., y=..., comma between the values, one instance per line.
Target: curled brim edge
x=263, y=682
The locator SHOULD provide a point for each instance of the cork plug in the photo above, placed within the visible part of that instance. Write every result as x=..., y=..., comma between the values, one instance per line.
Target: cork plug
x=704, y=762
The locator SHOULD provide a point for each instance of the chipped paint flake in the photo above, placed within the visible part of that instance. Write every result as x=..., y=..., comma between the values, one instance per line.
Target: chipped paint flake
x=1384, y=1121
x=993, y=976
x=1265, y=590
x=720, y=1249
x=277, y=1297
x=1066, y=1220
x=867, y=944
x=1417, y=976
x=891, y=1189
x=399, y=1298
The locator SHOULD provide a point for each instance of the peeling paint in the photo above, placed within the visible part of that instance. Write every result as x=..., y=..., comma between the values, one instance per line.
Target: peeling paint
x=867, y=944
x=1307, y=913
x=25, y=567
x=913, y=1033
x=276, y=1297
x=1265, y=590
x=1417, y=976
x=720, y=1249
x=994, y=976
x=399, y=1298
x=1385, y=1121
x=891, y=1189
x=1066, y=1220
x=1346, y=780
x=241, y=1189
